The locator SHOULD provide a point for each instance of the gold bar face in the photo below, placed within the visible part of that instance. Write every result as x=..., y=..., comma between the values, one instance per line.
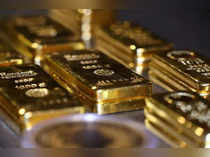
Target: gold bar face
x=97, y=77
x=129, y=44
x=29, y=95
x=39, y=35
x=69, y=18
x=182, y=116
x=181, y=70
x=9, y=56
x=75, y=18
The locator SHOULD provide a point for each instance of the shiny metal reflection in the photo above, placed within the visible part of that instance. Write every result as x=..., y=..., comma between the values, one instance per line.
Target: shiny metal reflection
x=87, y=131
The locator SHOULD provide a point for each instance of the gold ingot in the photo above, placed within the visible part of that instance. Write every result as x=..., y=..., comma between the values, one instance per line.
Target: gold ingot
x=183, y=115
x=37, y=36
x=181, y=70
x=8, y=56
x=28, y=96
x=97, y=77
x=129, y=43
x=75, y=19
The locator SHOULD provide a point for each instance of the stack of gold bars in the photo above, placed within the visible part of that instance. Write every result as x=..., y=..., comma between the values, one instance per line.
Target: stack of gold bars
x=36, y=36
x=180, y=118
x=181, y=70
x=49, y=68
x=130, y=44
x=108, y=85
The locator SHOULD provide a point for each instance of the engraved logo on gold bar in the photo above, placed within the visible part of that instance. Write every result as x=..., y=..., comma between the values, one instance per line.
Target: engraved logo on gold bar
x=5, y=75
x=37, y=93
x=191, y=62
x=89, y=62
x=25, y=80
x=81, y=57
x=180, y=54
x=179, y=97
x=103, y=72
x=187, y=103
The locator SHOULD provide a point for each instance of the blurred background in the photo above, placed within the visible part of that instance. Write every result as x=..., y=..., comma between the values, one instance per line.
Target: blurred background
x=186, y=23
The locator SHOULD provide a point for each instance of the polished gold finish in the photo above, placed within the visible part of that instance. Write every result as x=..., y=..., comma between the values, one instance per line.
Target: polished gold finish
x=129, y=44
x=39, y=35
x=181, y=70
x=9, y=56
x=97, y=77
x=118, y=107
x=74, y=19
x=29, y=95
x=83, y=21
x=181, y=118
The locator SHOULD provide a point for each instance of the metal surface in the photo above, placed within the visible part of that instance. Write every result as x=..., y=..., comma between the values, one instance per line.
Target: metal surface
x=35, y=36
x=130, y=44
x=97, y=77
x=183, y=70
x=9, y=139
x=184, y=115
x=8, y=56
x=29, y=95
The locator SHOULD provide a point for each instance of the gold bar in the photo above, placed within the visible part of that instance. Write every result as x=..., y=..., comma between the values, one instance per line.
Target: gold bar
x=29, y=95
x=83, y=21
x=129, y=44
x=8, y=56
x=182, y=115
x=36, y=36
x=75, y=18
x=181, y=70
x=97, y=77
x=170, y=133
x=163, y=134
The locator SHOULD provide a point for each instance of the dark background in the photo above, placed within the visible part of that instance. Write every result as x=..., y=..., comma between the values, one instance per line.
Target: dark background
x=185, y=23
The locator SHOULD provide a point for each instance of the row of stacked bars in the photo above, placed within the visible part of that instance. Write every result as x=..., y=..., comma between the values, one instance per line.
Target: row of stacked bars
x=124, y=41
x=96, y=81
x=188, y=124
x=79, y=80
x=180, y=118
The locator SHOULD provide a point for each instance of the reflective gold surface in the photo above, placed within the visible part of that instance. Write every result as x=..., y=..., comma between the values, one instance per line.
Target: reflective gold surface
x=183, y=117
x=9, y=56
x=130, y=44
x=117, y=107
x=75, y=18
x=97, y=77
x=29, y=95
x=181, y=70
x=165, y=135
x=37, y=35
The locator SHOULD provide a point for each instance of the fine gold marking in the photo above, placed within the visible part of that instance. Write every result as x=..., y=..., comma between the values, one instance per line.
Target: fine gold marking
x=37, y=92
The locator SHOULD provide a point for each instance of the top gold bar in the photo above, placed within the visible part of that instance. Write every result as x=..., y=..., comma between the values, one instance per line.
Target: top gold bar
x=129, y=43
x=186, y=66
x=38, y=35
x=97, y=77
